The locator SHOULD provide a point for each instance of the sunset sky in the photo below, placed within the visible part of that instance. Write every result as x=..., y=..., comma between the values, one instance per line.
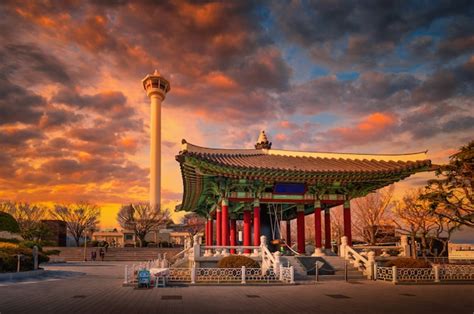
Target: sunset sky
x=319, y=76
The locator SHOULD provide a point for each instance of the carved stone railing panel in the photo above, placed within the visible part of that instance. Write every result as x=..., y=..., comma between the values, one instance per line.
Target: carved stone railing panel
x=415, y=274
x=218, y=274
x=385, y=273
x=255, y=274
x=456, y=272
x=179, y=275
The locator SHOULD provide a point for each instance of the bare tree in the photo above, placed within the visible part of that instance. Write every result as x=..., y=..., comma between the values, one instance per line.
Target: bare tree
x=413, y=215
x=337, y=224
x=29, y=218
x=371, y=213
x=141, y=218
x=78, y=217
x=194, y=224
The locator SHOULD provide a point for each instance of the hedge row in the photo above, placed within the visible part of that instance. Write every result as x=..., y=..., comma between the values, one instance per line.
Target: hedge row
x=9, y=259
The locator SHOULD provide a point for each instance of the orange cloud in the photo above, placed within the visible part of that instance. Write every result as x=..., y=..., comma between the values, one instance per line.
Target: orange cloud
x=221, y=80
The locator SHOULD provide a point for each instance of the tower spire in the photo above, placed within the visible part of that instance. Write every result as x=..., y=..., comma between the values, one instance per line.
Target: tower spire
x=262, y=142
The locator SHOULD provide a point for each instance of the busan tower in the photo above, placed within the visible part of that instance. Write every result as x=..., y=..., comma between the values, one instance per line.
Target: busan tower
x=156, y=87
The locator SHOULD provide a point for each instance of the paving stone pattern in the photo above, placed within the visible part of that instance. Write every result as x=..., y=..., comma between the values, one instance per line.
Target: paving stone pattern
x=97, y=288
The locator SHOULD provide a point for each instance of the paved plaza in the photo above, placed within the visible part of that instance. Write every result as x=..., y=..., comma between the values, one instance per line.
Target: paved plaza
x=97, y=288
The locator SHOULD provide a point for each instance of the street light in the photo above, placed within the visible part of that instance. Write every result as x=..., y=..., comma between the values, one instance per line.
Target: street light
x=85, y=244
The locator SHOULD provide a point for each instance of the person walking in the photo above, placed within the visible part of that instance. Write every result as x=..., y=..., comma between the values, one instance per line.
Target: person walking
x=102, y=254
x=93, y=255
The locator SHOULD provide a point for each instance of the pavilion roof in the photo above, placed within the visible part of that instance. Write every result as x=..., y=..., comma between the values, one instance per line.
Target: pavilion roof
x=271, y=165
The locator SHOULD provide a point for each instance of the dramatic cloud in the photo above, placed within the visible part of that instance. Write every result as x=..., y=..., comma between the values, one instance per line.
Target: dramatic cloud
x=316, y=75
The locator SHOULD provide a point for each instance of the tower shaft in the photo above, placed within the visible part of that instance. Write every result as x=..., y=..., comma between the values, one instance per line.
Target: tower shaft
x=155, y=150
x=156, y=88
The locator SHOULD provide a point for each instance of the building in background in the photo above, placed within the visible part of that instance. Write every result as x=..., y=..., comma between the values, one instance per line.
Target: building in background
x=58, y=234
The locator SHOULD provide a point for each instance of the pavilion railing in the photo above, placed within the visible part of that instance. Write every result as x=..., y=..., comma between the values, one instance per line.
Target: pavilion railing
x=364, y=264
x=194, y=275
x=435, y=273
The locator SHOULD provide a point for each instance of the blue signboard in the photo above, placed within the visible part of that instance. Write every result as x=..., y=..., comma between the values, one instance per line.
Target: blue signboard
x=144, y=278
x=289, y=188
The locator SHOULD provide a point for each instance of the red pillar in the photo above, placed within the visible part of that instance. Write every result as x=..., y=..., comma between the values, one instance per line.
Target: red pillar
x=327, y=229
x=206, y=234
x=256, y=223
x=211, y=231
x=247, y=228
x=225, y=222
x=233, y=234
x=288, y=232
x=219, y=227
x=317, y=225
x=300, y=227
x=347, y=222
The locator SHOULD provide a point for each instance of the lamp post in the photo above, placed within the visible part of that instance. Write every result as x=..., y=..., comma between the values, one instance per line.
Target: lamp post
x=85, y=245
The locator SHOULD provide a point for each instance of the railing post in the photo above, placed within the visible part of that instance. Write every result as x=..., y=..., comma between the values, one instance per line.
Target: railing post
x=316, y=271
x=276, y=267
x=243, y=275
x=18, y=263
x=394, y=274
x=370, y=266
x=125, y=281
x=35, y=257
x=436, y=273
x=292, y=275
x=193, y=274
x=280, y=274
x=342, y=248
x=263, y=245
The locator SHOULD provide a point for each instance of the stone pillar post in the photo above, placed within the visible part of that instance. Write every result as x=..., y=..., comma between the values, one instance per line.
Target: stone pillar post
x=370, y=269
x=436, y=273
x=342, y=248
x=276, y=267
x=347, y=222
x=218, y=227
x=317, y=229
x=300, y=227
x=247, y=230
x=256, y=222
x=394, y=274
x=35, y=257
x=405, y=252
x=327, y=229
x=225, y=222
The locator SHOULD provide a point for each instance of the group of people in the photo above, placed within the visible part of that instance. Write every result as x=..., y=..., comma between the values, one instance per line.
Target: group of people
x=101, y=254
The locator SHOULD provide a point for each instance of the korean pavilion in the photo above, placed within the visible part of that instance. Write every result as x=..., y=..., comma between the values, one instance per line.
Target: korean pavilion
x=226, y=185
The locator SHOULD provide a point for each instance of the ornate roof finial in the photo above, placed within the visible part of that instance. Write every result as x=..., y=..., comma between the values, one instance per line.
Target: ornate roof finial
x=262, y=142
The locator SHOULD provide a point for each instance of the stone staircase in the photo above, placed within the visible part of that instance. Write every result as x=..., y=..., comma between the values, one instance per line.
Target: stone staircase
x=300, y=271
x=332, y=268
x=74, y=254
x=337, y=263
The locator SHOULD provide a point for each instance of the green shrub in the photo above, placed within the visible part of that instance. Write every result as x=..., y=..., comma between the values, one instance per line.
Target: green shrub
x=16, y=241
x=9, y=259
x=404, y=262
x=31, y=245
x=237, y=261
x=8, y=223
